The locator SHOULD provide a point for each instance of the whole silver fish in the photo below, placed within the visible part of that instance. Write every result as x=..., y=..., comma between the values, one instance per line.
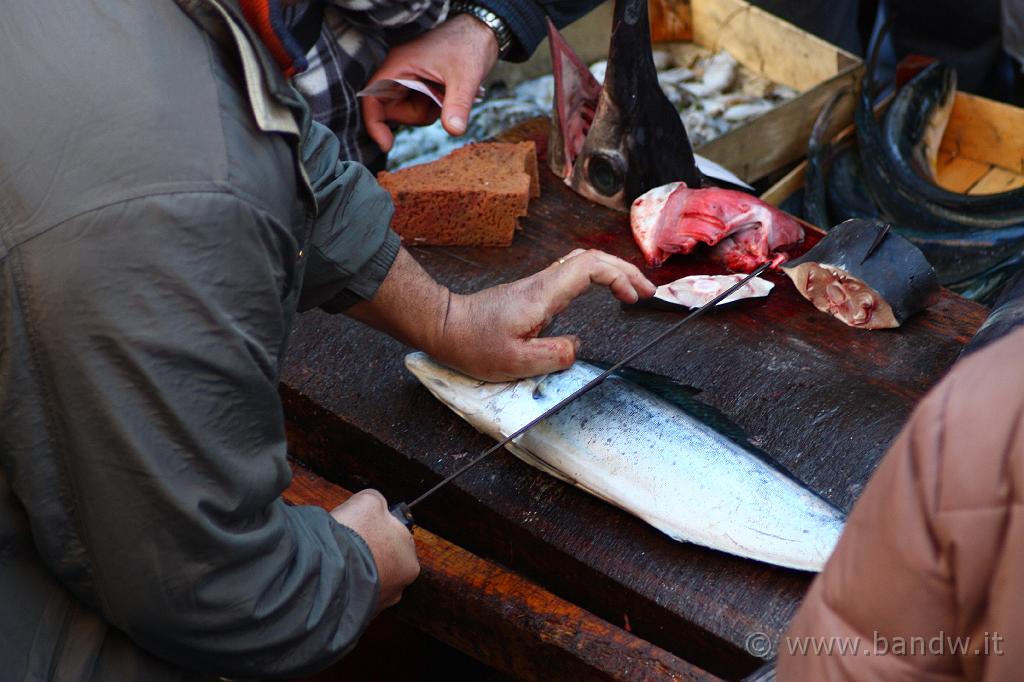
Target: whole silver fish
x=638, y=452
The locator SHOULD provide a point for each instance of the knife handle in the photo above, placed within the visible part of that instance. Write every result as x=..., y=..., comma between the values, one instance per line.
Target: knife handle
x=401, y=511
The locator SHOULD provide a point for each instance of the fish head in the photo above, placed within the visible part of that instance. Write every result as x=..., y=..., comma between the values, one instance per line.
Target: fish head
x=613, y=142
x=497, y=408
x=449, y=385
x=482, y=403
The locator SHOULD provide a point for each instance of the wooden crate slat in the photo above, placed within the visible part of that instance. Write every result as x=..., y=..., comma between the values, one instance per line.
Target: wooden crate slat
x=671, y=20
x=767, y=44
x=987, y=131
x=779, y=137
x=786, y=185
x=997, y=179
x=958, y=173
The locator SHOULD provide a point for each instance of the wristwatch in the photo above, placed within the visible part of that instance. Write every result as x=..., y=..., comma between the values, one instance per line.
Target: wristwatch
x=489, y=18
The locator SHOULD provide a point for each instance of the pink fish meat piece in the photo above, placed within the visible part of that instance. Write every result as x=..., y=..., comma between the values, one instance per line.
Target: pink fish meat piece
x=743, y=230
x=645, y=216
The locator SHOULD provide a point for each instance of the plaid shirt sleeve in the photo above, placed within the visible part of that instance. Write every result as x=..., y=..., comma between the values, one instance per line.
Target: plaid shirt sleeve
x=355, y=35
x=396, y=20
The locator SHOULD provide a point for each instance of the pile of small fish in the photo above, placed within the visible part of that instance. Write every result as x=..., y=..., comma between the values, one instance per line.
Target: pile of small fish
x=974, y=242
x=712, y=92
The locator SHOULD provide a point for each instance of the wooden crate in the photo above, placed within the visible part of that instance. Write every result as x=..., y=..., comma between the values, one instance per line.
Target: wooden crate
x=777, y=50
x=982, y=150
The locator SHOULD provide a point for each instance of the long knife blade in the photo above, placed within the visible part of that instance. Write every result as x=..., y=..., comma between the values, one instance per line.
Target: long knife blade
x=403, y=511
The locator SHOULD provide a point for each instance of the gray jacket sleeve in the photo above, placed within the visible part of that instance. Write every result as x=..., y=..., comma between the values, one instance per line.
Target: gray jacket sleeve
x=157, y=326
x=352, y=246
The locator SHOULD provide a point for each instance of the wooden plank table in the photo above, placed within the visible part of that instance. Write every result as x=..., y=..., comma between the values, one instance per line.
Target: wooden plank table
x=825, y=399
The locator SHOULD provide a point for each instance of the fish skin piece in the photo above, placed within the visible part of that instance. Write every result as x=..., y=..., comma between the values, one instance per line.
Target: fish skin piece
x=901, y=202
x=694, y=291
x=876, y=290
x=1007, y=314
x=744, y=230
x=624, y=445
x=576, y=95
x=911, y=137
x=720, y=173
x=815, y=207
x=989, y=284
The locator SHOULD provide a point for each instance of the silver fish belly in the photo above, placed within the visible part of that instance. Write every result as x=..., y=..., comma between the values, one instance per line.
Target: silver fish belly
x=638, y=452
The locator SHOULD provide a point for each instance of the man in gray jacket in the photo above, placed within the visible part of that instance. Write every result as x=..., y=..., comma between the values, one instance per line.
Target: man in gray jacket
x=166, y=206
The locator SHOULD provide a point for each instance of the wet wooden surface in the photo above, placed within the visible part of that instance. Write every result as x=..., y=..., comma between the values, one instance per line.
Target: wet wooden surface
x=505, y=620
x=824, y=399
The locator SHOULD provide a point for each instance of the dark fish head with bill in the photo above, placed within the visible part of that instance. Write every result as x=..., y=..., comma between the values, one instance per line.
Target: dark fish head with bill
x=613, y=142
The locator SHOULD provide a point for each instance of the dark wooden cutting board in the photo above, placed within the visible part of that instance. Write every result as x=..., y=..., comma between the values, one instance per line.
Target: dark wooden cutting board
x=823, y=398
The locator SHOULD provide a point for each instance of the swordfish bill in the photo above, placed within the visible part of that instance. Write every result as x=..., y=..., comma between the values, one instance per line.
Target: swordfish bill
x=614, y=142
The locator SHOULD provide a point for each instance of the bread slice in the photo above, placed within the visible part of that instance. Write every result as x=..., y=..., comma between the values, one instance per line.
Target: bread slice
x=518, y=155
x=472, y=197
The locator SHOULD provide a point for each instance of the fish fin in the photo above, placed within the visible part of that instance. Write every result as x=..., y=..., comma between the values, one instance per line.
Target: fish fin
x=664, y=387
x=683, y=396
x=576, y=93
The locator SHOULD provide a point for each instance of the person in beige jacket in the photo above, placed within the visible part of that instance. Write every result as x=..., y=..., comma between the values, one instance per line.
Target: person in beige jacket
x=927, y=581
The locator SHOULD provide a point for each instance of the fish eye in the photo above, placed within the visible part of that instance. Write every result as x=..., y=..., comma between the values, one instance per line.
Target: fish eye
x=606, y=174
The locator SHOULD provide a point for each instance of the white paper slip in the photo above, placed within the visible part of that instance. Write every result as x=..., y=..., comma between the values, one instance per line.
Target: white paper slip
x=397, y=88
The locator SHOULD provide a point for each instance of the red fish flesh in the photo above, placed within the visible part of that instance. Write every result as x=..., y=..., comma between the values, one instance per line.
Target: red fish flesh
x=742, y=230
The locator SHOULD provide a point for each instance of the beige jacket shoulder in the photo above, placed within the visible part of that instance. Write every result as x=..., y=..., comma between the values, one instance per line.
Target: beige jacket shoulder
x=933, y=552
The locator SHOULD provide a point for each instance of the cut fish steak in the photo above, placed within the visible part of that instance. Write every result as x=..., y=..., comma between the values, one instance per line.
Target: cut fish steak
x=743, y=230
x=865, y=276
